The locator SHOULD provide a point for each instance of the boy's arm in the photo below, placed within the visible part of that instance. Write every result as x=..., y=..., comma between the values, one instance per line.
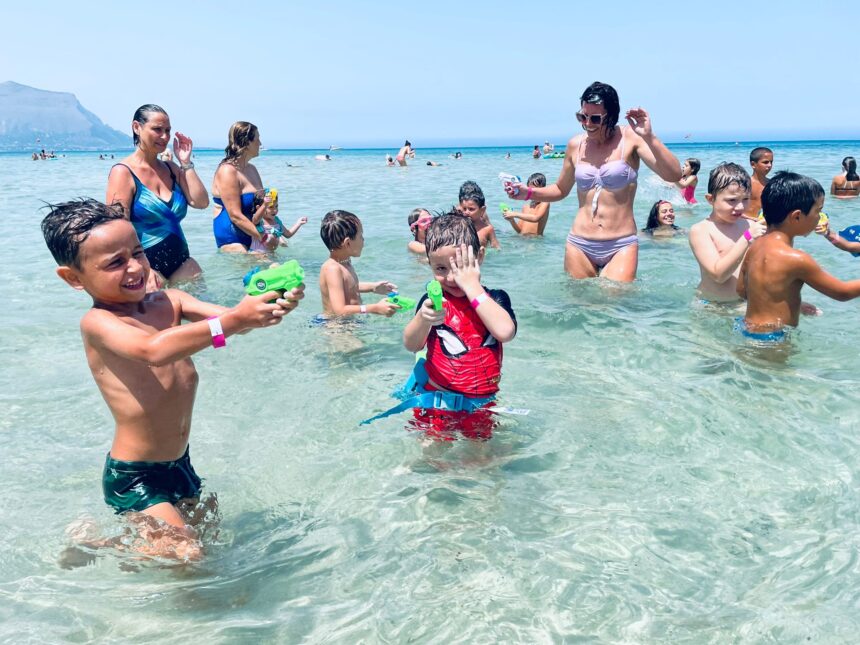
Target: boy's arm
x=511, y=216
x=416, y=247
x=337, y=296
x=742, y=281
x=492, y=239
x=415, y=333
x=383, y=287
x=193, y=310
x=812, y=274
x=105, y=330
x=718, y=268
x=537, y=214
x=841, y=243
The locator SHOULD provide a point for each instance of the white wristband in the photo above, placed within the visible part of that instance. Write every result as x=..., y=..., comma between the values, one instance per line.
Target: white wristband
x=362, y=309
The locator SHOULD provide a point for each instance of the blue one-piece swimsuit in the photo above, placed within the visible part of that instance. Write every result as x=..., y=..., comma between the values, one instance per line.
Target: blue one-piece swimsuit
x=223, y=227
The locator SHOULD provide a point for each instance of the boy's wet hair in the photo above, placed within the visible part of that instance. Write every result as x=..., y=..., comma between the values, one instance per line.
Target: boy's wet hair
x=757, y=153
x=142, y=116
x=336, y=226
x=602, y=94
x=537, y=179
x=786, y=192
x=695, y=165
x=451, y=229
x=725, y=175
x=69, y=224
x=471, y=192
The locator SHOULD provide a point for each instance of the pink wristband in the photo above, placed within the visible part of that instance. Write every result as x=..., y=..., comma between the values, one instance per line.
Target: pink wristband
x=748, y=235
x=218, y=338
x=529, y=194
x=477, y=300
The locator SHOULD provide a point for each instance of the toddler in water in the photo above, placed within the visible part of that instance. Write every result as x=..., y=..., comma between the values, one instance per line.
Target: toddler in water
x=720, y=241
x=774, y=272
x=419, y=219
x=689, y=180
x=761, y=161
x=342, y=233
x=269, y=224
x=534, y=216
x=474, y=206
x=661, y=221
x=140, y=357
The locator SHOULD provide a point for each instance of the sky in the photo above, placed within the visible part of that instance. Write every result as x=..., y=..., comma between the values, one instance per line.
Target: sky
x=371, y=74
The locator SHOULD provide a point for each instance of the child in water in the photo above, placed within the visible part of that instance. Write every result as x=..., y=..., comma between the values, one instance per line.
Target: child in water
x=140, y=358
x=269, y=224
x=689, y=180
x=720, y=241
x=464, y=339
x=343, y=235
x=761, y=162
x=774, y=272
x=419, y=219
x=474, y=206
x=535, y=214
x=661, y=221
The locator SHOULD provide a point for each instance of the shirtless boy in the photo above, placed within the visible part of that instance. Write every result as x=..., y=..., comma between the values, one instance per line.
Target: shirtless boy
x=140, y=357
x=761, y=162
x=534, y=216
x=343, y=235
x=774, y=272
x=720, y=241
x=474, y=206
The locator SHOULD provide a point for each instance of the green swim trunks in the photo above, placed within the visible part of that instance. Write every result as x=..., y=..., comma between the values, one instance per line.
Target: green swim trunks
x=137, y=485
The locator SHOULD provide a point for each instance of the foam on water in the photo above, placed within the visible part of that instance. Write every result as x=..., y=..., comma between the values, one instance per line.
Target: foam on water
x=669, y=484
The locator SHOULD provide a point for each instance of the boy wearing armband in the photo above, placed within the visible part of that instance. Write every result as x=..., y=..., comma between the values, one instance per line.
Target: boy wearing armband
x=464, y=339
x=140, y=357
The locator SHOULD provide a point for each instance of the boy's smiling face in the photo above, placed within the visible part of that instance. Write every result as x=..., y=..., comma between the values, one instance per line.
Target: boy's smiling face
x=113, y=267
x=730, y=203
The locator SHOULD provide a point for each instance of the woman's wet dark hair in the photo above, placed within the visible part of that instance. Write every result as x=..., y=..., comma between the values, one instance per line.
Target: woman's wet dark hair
x=850, y=165
x=602, y=94
x=654, y=217
x=142, y=114
x=786, y=192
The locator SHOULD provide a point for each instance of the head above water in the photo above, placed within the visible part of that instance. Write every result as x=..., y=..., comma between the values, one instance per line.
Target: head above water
x=602, y=94
x=451, y=229
x=470, y=191
x=726, y=174
x=419, y=219
x=756, y=154
x=787, y=192
x=695, y=165
x=654, y=216
x=337, y=226
x=239, y=138
x=142, y=116
x=536, y=179
x=68, y=225
x=849, y=164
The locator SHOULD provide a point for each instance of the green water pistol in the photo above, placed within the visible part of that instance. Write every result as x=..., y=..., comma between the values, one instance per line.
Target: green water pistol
x=281, y=278
x=434, y=292
x=405, y=304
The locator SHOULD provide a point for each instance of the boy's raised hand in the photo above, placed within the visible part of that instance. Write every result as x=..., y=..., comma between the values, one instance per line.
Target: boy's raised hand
x=384, y=287
x=465, y=268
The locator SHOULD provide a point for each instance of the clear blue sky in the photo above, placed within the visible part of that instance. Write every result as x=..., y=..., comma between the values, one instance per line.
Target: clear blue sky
x=359, y=73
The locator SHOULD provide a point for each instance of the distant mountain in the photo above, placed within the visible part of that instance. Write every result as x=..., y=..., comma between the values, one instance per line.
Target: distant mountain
x=31, y=119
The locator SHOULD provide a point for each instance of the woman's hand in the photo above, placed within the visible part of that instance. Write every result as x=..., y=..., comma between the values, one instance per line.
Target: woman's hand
x=639, y=121
x=517, y=190
x=182, y=147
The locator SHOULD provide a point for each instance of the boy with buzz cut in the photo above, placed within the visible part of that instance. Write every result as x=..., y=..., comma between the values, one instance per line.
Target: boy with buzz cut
x=464, y=339
x=720, y=241
x=774, y=272
x=761, y=162
x=343, y=235
x=140, y=358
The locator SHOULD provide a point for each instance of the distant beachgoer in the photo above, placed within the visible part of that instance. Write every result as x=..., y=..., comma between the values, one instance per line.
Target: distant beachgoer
x=507, y=155
x=238, y=193
x=322, y=157
x=433, y=163
x=389, y=160
x=534, y=216
x=404, y=151
x=419, y=219
x=548, y=147
x=761, y=161
x=35, y=156
x=458, y=155
x=846, y=185
x=474, y=206
x=101, y=157
x=536, y=153
x=156, y=194
x=603, y=164
x=689, y=180
x=661, y=221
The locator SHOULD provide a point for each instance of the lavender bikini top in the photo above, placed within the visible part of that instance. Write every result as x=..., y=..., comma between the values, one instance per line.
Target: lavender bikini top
x=613, y=175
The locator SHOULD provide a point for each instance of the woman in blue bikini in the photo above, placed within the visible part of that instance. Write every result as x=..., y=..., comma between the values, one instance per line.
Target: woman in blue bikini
x=156, y=195
x=603, y=164
x=237, y=191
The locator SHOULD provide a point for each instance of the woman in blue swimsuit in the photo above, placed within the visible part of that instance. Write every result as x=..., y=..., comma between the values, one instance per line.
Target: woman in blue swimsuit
x=237, y=191
x=603, y=164
x=156, y=195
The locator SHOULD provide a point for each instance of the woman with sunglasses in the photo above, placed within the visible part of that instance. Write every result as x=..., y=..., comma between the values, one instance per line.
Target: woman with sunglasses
x=602, y=163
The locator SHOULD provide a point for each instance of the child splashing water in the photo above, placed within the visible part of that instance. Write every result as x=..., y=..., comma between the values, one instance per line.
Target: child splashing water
x=689, y=180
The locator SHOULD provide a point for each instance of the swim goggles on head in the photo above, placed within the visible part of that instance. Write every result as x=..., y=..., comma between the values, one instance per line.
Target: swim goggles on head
x=421, y=222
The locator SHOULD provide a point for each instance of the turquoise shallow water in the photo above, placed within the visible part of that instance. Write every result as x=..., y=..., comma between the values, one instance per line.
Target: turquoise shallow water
x=671, y=484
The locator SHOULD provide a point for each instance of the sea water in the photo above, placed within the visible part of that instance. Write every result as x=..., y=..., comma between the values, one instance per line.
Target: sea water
x=670, y=484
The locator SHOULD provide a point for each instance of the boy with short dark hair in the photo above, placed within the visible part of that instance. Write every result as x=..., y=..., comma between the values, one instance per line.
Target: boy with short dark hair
x=343, y=235
x=140, y=358
x=761, y=162
x=474, y=206
x=774, y=272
